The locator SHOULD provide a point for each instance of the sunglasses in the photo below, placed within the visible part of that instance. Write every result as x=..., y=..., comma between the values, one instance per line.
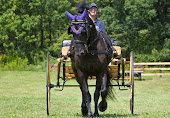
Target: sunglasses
x=93, y=8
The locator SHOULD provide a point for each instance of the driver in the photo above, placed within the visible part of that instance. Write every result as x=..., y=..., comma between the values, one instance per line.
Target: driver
x=100, y=26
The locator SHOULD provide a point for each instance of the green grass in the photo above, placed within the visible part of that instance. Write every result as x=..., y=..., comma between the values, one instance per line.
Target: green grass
x=23, y=95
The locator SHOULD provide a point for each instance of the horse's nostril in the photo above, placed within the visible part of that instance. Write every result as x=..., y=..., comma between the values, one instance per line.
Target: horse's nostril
x=82, y=53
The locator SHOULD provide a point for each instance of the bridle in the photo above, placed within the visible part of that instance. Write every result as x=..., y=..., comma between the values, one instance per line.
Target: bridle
x=85, y=25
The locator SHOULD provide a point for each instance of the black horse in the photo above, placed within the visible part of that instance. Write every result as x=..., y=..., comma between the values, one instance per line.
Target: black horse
x=91, y=52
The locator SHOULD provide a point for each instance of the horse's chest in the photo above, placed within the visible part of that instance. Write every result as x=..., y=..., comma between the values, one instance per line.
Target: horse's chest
x=93, y=65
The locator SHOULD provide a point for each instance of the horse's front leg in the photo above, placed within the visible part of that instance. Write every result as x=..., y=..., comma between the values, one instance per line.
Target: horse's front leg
x=84, y=109
x=104, y=92
x=96, y=95
x=86, y=97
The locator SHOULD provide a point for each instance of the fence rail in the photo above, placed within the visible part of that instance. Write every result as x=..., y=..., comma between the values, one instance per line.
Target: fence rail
x=153, y=74
x=153, y=63
x=160, y=69
x=156, y=68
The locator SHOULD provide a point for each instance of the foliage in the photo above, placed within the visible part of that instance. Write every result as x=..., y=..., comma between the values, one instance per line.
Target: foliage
x=156, y=55
x=21, y=64
x=55, y=48
x=12, y=63
x=29, y=29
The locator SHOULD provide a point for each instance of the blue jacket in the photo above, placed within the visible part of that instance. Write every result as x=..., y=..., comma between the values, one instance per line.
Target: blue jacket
x=100, y=26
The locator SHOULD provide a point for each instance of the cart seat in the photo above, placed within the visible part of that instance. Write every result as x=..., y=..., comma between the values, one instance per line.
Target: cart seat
x=113, y=69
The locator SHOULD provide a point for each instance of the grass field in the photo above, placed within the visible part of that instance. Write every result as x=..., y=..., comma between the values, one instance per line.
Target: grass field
x=23, y=95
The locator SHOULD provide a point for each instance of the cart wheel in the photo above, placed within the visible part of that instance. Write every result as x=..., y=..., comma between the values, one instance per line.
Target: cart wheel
x=131, y=83
x=48, y=83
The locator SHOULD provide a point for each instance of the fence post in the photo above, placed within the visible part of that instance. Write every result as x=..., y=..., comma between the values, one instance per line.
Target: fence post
x=160, y=70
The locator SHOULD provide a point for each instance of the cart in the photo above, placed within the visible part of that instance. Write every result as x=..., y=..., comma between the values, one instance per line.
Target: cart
x=117, y=70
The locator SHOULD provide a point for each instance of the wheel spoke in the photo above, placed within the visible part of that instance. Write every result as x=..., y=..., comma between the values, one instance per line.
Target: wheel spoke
x=48, y=84
x=131, y=83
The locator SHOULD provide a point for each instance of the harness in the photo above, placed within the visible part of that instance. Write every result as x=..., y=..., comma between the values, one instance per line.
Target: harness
x=108, y=51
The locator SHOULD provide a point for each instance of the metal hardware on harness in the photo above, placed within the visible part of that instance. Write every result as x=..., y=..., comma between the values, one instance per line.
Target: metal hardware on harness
x=86, y=47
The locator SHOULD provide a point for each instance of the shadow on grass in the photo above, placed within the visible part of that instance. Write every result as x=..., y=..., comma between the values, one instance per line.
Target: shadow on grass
x=136, y=79
x=145, y=79
x=117, y=115
x=111, y=115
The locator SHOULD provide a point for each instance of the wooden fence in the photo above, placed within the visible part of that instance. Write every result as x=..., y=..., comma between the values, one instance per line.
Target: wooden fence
x=160, y=68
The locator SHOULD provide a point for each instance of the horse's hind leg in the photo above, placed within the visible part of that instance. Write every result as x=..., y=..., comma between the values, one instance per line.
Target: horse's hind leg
x=103, y=103
x=96, y=96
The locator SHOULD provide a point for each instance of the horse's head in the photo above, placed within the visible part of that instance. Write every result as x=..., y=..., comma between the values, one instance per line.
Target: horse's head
x=80, y=30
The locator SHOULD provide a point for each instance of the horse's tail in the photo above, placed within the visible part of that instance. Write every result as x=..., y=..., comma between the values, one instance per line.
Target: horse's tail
x=110, y=92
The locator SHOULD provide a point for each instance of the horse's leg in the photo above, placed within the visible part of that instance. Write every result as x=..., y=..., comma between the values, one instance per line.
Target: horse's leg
x=96, y=95
x=83, y=105
x=85, y=92
x=87, y=98
x=84, y=110
x=103, y=103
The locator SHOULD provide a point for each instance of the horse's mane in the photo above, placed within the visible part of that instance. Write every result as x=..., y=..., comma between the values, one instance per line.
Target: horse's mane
x=81, y=6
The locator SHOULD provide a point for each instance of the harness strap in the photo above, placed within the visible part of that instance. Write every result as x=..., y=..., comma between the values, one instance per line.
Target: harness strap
x=94, y=40
x=108, y=51
x=99, y=52
x=106, y=39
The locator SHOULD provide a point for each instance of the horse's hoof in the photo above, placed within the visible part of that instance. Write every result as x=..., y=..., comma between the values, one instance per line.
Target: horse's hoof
x=102, y=106
x=96, y=114
x=84, y=111
x=90, y=115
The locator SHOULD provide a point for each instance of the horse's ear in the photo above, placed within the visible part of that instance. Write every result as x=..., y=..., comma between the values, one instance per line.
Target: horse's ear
x=89, y=20
x=69, y=30
x=93, y=31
